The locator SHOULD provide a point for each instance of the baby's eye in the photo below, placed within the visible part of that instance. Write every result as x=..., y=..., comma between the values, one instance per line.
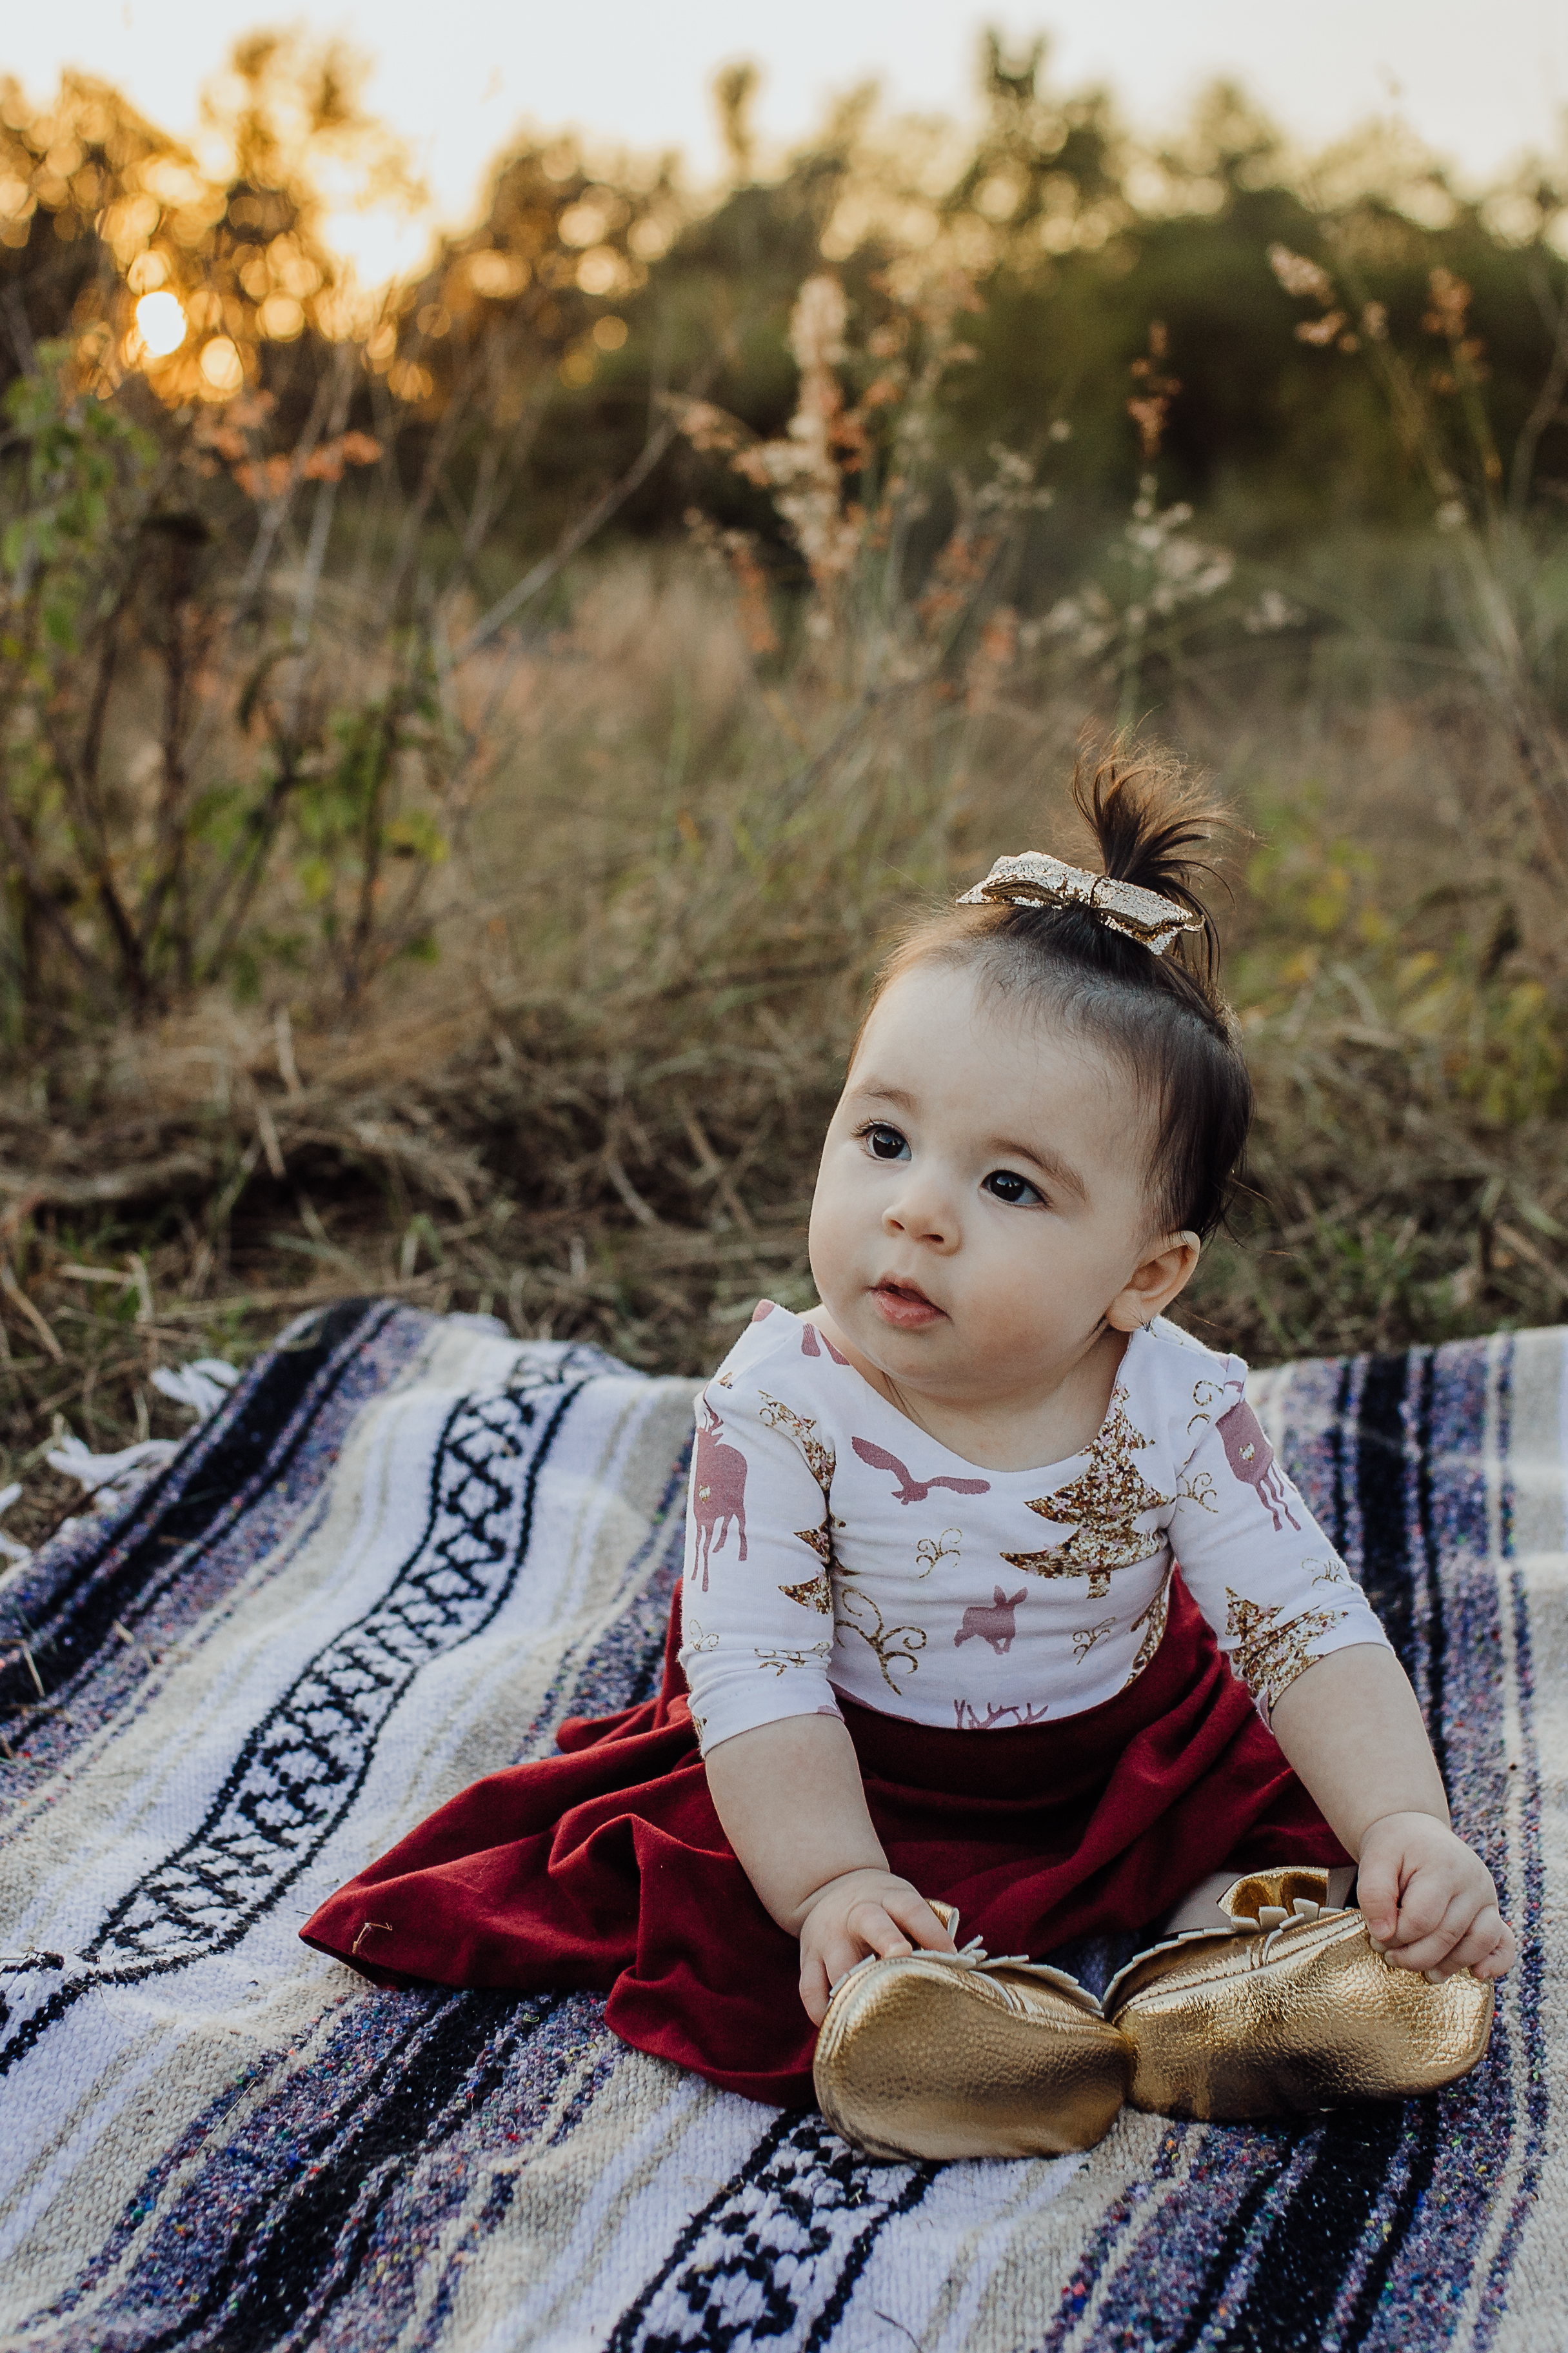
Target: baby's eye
x=885, y=1142
x=1005, y=1186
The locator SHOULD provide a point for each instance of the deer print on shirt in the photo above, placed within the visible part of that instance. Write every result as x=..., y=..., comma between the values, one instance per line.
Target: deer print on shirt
x=913, y=1491
x=992, y=1621
x=719, y=1488
x=1018, y=1712
x=1251, y=1458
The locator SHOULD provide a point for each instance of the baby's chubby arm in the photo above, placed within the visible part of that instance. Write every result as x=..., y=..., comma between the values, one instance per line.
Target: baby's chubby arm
x=1351, y=1726
x=790, y=1799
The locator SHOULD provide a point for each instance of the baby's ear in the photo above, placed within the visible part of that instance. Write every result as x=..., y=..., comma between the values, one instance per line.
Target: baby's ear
x=1160, y=1276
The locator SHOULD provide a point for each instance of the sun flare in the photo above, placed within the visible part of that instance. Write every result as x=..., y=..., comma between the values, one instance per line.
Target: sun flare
x=161, y=323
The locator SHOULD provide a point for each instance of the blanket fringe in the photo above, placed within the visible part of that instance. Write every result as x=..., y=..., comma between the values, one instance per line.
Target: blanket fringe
x=108, y=1479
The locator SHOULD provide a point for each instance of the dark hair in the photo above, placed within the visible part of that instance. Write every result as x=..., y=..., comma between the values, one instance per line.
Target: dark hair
x=1162, y=1014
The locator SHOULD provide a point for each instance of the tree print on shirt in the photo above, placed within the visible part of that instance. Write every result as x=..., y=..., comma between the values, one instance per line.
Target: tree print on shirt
x=1270, y=1657
x=1105, y=1499
x=820, y=1459
x=1152, y=1621
x=814, y=1592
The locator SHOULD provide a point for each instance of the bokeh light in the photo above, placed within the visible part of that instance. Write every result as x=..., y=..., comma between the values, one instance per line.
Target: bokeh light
x=599, y=273
x=281, y=318
x=223, y=372
x=161, y=323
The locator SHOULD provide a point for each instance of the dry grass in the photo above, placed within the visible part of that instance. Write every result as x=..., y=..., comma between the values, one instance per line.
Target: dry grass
x=599, y=1115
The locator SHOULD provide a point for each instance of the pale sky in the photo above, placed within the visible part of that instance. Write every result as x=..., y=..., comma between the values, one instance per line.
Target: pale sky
x=1480, y=80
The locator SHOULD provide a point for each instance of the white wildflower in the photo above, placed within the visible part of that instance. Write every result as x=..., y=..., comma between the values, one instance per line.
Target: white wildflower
x=1088, y=621
x=1305, y=279
x=1271, y=612
x=801, y=470
x=817, y=324
x=1011, y=489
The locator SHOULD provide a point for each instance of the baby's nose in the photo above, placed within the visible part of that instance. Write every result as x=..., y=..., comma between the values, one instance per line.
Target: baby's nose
x=923, y=1211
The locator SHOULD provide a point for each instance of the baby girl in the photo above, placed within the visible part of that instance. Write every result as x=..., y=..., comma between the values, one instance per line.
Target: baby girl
x=997, y=1605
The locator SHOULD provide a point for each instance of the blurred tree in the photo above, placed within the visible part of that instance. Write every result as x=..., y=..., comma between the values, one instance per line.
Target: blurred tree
x=517, y=375
x=735, y=90
x=99, y=212
x=1076, y=241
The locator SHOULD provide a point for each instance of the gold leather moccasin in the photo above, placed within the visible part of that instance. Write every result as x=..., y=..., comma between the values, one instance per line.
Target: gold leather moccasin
x=954, y=2055
x=1292, y=2010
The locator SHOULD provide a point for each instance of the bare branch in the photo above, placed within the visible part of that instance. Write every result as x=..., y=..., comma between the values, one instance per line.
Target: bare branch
x=1548, y=400
x=541, y=574
x=276, y=512
x=326, y=499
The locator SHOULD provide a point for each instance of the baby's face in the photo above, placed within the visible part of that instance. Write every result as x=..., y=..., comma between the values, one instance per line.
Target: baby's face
x=984, y=1193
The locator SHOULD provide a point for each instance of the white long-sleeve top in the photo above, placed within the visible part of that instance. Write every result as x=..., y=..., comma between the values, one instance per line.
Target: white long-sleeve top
x=832, y=1548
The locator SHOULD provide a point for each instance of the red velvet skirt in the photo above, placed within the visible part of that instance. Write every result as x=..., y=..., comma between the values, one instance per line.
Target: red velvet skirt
x=606, y=1868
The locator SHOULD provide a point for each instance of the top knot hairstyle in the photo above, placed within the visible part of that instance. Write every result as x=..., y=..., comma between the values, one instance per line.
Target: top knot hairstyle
x=1163, y=1016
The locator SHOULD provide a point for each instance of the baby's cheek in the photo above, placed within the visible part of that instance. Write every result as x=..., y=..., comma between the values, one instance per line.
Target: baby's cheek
x=836, y=1233
x=1013, y=1301
x=823, y=1254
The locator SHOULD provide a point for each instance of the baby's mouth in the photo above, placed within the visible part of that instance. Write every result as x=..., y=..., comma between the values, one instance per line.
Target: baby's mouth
x=903, y=1305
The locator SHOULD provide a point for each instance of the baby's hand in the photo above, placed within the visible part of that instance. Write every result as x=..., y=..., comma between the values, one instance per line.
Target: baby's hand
x=860, y=1912
x=1430, y=1902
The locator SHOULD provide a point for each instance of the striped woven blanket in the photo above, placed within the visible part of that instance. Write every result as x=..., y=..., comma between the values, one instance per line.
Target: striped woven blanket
x=399, y=1553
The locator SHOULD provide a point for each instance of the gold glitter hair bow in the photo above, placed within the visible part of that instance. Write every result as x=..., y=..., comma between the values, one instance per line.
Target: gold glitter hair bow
x=1036, y=880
